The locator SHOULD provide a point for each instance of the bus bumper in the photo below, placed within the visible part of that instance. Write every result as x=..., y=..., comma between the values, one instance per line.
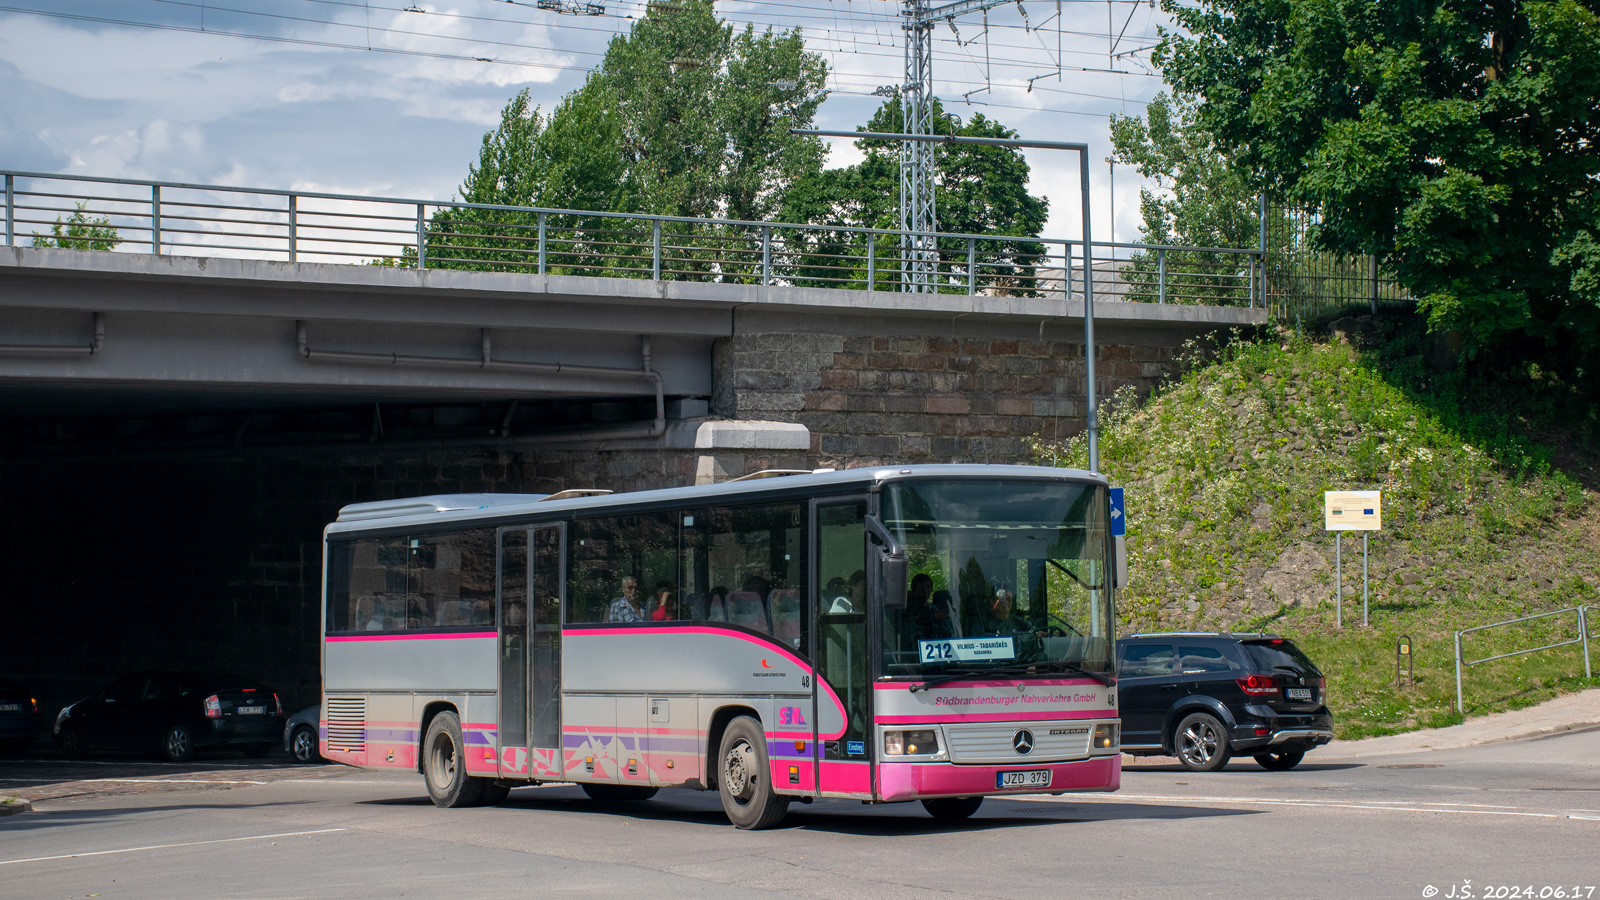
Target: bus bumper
x=918, y=781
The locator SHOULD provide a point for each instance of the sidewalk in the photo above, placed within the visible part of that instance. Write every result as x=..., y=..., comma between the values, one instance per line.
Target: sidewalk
x=1572, y=712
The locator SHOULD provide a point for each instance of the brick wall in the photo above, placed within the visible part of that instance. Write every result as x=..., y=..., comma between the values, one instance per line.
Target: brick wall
x=917, y=399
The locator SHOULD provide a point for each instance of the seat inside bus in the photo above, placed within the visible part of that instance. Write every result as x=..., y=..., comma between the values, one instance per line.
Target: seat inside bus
x=784, y=605
x=747, y=610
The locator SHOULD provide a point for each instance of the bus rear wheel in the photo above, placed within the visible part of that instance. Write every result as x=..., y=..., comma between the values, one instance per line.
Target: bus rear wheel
x=744, y=777
x=444, y=764
x=952, y=809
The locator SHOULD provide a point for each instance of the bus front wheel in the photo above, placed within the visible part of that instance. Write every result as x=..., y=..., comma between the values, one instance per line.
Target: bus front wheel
x=744, y=777
x=444, y=764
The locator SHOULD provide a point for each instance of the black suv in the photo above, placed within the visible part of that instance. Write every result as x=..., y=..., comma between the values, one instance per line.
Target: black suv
x=1203, y=697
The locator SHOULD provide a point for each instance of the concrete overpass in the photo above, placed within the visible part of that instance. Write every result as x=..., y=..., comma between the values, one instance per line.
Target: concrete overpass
x=132, y=353
x=175, y=430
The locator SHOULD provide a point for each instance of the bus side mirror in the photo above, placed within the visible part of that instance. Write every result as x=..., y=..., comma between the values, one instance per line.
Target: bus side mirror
x=892, y=563
x=895, y=571
x=1119, y=574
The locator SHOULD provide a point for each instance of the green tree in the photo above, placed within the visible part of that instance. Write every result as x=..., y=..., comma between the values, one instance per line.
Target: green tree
x=977, y=190
x=80, y=232
x=683, y=117
x=1201, y=199
x=1457, y=139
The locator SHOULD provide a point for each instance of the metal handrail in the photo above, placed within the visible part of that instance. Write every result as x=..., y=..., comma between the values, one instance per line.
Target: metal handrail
x=1582, y=638
x=160, y=217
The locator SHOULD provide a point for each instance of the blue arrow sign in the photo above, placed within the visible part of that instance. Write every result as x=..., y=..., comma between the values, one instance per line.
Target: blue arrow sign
x=1119, y=518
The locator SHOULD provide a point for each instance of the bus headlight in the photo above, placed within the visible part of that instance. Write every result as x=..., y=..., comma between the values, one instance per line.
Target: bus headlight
x=1105, y=737
x=910, y=743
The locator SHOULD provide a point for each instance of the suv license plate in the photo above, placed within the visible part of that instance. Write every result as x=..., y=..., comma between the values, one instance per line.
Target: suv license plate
x=1298, y=694
x=250, y=710
x=10, y=707
x=1011, y=780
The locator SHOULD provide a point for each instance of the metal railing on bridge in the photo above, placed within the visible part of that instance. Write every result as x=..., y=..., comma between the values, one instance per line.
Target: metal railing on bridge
x=300, y=226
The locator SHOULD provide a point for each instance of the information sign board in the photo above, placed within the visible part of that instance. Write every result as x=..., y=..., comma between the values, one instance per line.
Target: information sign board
x=1352, y=511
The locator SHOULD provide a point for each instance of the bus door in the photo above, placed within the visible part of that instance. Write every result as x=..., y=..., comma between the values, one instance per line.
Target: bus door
x=842, y=693
x=531, y=595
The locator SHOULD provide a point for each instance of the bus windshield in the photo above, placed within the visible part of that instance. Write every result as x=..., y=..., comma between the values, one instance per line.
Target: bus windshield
x=1006, y=577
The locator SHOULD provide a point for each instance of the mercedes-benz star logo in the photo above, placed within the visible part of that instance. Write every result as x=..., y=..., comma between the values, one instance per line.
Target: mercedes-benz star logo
x=1022, y=742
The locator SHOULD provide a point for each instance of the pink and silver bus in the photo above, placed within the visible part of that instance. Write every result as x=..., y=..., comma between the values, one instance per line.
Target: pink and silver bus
x=935, y=633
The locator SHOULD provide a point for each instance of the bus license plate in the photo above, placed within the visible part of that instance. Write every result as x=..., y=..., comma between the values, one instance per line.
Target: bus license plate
x=1009, y=780
x=1298, y=694
x=251, y=710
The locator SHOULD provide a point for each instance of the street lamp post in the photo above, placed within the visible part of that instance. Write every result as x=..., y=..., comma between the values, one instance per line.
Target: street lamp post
x=1091, y=416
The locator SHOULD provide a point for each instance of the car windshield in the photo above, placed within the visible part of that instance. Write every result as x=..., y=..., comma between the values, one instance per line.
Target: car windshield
x=1280, y=654
x=1004, y=575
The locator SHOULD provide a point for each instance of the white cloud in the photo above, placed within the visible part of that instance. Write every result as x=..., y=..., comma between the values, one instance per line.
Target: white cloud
x=178, y=106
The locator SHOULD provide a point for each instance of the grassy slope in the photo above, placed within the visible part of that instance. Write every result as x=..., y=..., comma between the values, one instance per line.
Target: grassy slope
x=1225, y=471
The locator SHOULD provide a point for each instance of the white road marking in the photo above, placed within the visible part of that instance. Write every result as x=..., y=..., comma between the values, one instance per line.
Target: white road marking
x=1464, y=809
x=259, y=837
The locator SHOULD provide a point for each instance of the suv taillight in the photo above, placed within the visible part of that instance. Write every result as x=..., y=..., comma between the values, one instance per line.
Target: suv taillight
x=278, y=703
x=1257, y=684
x=213, y=707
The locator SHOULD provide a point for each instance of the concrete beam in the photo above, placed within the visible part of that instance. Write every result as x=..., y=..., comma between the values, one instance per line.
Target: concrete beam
x=448, y=296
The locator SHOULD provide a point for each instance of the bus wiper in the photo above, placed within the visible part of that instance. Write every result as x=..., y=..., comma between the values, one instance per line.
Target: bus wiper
x=1101, y=677
x=966, y=673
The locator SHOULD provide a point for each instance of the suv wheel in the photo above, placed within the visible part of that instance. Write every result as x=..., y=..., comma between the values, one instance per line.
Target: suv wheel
x=1201, y=743
x=1279, y=762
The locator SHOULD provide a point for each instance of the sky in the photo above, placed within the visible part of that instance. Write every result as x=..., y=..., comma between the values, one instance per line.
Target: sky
x=392, y=97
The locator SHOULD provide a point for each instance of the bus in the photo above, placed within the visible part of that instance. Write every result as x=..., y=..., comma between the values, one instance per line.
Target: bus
x=940, y=633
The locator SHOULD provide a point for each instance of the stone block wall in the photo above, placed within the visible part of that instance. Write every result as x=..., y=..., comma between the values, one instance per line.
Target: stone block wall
x=873, y=400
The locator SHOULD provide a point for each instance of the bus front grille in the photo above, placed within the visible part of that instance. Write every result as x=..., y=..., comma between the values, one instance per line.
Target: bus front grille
x=1045, y=741
x=347, y=724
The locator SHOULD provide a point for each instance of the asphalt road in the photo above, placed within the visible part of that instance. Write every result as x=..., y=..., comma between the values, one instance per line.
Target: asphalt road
x=1517, y=815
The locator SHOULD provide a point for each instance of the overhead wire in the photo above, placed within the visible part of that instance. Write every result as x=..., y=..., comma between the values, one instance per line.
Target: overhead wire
x=282, y=39
x=838, y=74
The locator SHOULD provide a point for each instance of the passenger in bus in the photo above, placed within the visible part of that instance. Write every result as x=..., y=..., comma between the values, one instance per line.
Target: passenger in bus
x=665, y=607
x=623, y=609
x=836, y=588
x=757, y=585
x=858, y=589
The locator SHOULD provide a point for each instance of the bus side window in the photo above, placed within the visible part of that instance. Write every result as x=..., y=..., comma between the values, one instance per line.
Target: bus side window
x=605, y=551
x=754, y=556
x=341, y=605
x=366, y=582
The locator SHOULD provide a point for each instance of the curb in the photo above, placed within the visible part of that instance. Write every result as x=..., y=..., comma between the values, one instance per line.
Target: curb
x=17, y=805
